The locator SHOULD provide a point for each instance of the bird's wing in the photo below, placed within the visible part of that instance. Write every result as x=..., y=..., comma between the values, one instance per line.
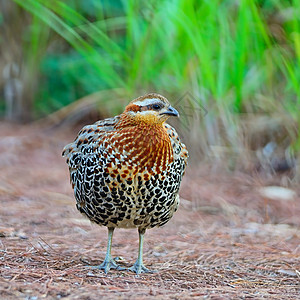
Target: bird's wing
x=82, y=156
x=89, y=134
x=180, y=150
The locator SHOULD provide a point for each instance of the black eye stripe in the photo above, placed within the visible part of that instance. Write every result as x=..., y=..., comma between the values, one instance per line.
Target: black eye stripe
x=155, y=106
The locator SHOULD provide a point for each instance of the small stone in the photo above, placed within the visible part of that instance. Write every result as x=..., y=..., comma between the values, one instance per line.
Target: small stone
x=277, y=193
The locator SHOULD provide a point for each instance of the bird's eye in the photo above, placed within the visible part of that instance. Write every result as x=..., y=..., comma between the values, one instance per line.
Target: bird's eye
x=156, y=106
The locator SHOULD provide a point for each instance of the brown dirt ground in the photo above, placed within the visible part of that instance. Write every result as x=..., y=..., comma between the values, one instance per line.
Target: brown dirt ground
x=225, y=242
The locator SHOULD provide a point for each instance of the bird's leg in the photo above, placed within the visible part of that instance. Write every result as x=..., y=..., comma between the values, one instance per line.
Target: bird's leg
x=138, y=266
x=109, y=262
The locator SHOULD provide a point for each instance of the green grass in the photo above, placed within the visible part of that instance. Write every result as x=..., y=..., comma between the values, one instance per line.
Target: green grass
x=235, y=57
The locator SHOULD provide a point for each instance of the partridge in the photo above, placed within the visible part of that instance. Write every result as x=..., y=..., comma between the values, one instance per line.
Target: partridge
x=126, y=171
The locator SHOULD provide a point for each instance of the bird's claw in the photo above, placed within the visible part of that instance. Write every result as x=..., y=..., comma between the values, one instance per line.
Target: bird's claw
x=140, y=268
x=107, y=265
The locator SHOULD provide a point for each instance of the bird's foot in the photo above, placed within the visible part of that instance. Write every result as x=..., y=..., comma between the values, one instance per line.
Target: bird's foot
x=139, y=268
x=109, y=264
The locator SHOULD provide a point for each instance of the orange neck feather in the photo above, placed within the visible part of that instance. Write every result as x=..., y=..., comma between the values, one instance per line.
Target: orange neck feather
x=148, y=144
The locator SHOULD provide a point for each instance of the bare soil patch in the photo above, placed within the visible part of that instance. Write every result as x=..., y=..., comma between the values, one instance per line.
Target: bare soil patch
x=225, y=242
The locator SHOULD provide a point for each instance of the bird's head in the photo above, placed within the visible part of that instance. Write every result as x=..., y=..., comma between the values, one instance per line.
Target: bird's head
x=151, y=109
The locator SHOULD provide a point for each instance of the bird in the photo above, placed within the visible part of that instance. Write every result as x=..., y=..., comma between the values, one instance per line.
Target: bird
x=126, y=171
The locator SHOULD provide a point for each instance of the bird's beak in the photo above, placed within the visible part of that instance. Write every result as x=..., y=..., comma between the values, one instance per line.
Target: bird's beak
x=171, y=112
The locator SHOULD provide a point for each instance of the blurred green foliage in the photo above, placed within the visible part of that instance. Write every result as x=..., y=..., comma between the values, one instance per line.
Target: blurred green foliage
x=235, y=57
x=221, y=51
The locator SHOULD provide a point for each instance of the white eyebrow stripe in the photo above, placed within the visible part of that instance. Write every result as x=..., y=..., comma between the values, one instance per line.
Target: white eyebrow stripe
x=147, y=101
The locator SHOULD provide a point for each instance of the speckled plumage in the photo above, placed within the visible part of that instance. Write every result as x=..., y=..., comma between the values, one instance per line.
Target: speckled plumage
x=126, y=171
